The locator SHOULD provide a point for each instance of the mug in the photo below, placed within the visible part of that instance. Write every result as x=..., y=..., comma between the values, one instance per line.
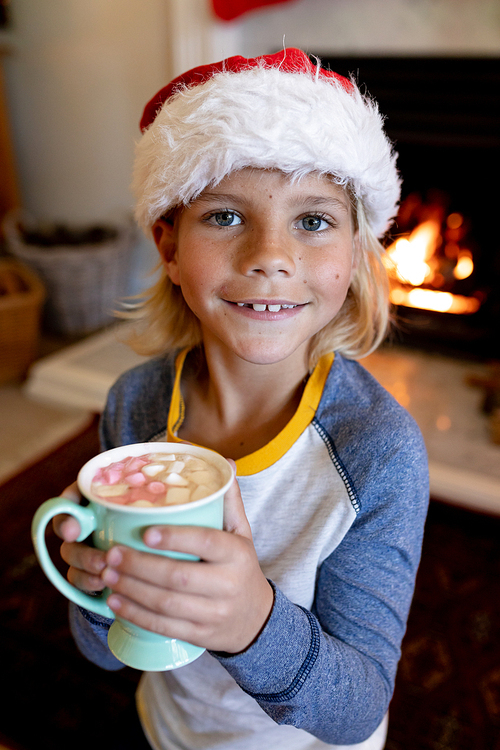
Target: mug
x=109, y=524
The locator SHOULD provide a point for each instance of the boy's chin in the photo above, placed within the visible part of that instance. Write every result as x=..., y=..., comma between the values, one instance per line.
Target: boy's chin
x=274, y=355
x=258, y=349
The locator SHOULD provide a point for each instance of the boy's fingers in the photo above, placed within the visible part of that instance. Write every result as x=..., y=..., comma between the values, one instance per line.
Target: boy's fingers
x=171, y=603
x=66, y=527
x=171, y=627
x=164, y=573
x=235, y=520
x=83, y=558
x=85, y=581
x=71, y=492
x=199, y=541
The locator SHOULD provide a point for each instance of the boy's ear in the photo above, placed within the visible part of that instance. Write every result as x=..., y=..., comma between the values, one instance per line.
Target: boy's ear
x=165, y=237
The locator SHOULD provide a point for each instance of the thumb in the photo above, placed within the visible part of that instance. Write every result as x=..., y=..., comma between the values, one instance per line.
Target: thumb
x=235, y=520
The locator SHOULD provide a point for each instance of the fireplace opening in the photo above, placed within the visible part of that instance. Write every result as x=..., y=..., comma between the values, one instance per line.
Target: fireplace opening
x=444, y=249
x=432, y=264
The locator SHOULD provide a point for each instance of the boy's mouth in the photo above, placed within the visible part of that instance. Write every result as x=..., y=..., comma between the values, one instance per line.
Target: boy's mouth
x=259, y=307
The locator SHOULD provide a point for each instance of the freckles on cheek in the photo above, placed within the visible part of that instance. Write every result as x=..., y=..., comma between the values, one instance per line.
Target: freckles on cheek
x=194, y=284
x=333, y=276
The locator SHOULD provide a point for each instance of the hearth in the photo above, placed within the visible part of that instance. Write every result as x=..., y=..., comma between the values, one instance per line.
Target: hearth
x=443, y=115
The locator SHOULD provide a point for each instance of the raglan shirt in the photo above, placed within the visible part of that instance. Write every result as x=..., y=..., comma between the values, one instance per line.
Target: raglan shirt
x=337, y=504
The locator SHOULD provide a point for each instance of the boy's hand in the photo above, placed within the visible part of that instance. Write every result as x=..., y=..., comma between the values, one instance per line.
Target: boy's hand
x=220, y=603
x=86, y=563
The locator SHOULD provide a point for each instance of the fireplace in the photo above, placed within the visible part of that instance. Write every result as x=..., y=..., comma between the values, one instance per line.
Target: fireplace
x=443, y=115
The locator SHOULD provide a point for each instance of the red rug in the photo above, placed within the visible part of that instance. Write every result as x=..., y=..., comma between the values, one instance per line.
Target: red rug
x=448, y=688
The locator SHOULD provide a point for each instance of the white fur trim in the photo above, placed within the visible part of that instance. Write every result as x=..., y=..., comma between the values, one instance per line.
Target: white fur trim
x=265, y=118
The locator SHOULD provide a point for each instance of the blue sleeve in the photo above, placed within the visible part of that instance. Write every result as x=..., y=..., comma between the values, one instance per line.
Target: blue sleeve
x=90, y=632
x=137, y=406
x=337, y=663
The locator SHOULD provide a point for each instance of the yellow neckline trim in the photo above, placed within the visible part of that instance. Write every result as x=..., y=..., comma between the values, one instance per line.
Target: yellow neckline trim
x=177, y=409
x=278, y=446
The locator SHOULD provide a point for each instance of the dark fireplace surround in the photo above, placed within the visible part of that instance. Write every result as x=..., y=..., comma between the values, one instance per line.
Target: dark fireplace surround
x=443, y=115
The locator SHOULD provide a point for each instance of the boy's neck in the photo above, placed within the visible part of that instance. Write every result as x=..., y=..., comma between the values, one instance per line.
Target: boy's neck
x=237, y=407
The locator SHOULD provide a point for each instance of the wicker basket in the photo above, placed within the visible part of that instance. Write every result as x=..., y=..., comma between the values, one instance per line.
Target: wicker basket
x=83, y=282
x=21, y=299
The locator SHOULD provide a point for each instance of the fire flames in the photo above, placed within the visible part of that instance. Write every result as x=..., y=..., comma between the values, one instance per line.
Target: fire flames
x=425, y=266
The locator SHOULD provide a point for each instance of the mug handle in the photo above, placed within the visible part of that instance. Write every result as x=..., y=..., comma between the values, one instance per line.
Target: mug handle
x=86, y=518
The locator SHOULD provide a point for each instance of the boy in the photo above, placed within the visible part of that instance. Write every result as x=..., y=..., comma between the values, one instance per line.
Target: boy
x=265, y=184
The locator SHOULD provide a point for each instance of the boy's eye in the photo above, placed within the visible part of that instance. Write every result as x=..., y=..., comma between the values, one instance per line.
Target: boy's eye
x=226, y=218
x=314, y=223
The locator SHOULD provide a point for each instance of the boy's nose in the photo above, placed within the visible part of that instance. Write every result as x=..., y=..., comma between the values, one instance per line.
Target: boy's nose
x=267, y=252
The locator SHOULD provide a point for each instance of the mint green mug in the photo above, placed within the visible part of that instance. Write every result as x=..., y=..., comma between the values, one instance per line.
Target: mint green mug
x=111, y=524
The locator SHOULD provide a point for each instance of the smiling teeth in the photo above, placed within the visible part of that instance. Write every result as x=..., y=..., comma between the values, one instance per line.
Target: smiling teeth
x=261, y=308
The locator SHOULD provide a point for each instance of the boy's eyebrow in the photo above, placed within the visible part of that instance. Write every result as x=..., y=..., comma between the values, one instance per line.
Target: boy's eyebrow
x=223, y=197
x=320, y=200
x=310, y=200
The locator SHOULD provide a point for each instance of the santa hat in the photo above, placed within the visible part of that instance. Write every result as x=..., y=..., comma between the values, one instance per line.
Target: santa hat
x=271, y=112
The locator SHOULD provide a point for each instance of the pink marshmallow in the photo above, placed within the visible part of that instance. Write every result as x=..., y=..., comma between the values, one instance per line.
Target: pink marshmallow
x=114, y=476
x=136, y=480
x=135, y=464
x=156, y=487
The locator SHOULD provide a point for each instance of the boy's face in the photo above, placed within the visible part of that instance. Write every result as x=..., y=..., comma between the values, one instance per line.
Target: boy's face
x=263, y=262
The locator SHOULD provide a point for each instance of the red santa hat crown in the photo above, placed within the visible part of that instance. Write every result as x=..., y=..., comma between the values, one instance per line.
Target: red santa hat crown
x=276, y=111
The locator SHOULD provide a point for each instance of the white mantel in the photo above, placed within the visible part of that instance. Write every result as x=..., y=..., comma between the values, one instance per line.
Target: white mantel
x=342, y=27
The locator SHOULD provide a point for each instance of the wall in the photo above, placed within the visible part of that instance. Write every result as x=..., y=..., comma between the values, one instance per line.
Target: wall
x=77, y=76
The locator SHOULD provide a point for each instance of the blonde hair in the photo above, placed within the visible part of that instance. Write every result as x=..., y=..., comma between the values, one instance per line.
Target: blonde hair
x=166, y=323
x=362, y=322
